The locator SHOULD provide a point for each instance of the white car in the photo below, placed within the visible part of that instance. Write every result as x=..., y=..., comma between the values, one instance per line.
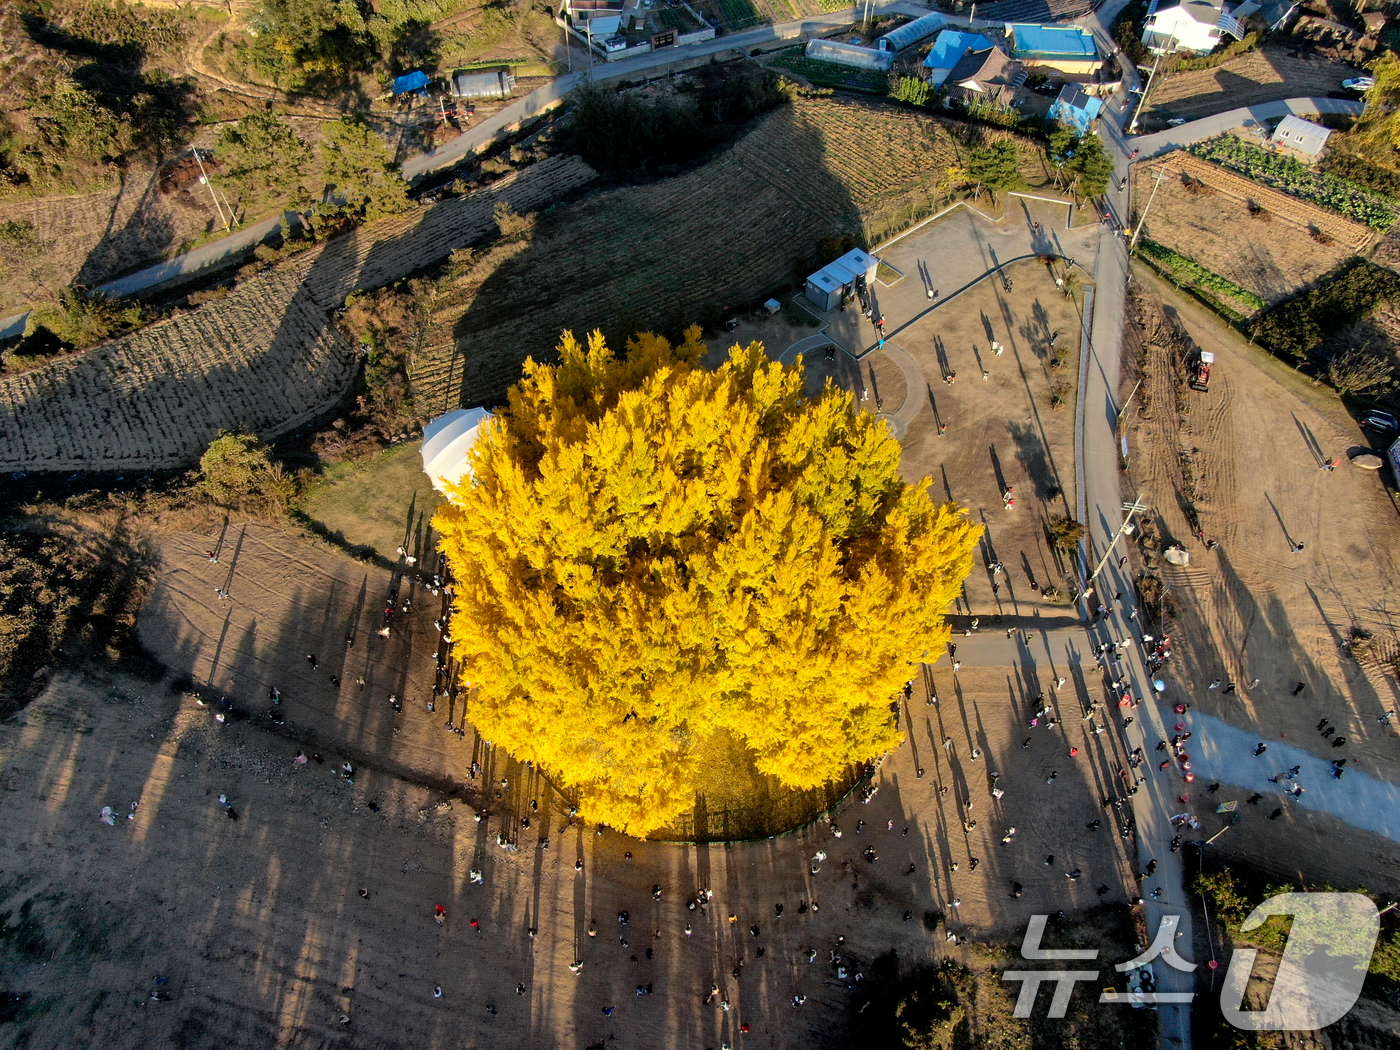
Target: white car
x=1176, y=122
x=1359, y=83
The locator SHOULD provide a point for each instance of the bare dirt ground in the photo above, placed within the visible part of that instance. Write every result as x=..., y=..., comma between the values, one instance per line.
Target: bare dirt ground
x=265, y=356
x=1259, y=76
x=1273, y=259
x=259, y=924
x=1246, y=455
x=1001, y=432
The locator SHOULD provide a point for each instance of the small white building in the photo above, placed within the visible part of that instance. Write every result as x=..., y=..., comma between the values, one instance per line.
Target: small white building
x=1295, y=133
x=825, y=288
x=447, y=440
x=1189, y=25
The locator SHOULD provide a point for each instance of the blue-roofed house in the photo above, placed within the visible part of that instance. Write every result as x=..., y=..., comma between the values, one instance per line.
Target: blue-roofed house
x=1067, y=49
x=948, y=49
x=1075, y=108
x=410, y=82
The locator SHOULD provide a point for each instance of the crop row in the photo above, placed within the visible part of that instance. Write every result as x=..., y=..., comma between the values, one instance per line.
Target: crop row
x=1188, y=271
x=720, y=233
x=1294, y=209
x=1290, y=176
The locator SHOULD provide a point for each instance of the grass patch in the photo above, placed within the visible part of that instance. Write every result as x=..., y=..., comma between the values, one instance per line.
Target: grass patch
x=888, y=275
x=1192, y=274
x=374, y=503
x=832, y=75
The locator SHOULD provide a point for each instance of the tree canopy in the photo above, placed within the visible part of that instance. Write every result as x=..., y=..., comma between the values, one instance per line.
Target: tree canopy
x=652, y=553
x=996, y=166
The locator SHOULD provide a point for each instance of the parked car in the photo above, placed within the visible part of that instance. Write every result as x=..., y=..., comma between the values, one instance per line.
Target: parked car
x=1375, y=419
x=1176, y=122
x=1359, y=83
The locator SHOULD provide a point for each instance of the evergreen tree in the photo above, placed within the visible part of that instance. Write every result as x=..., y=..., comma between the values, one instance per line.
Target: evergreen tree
x=995, y=167
x=651, y=554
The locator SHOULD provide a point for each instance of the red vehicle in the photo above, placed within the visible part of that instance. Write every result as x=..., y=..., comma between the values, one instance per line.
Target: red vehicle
x=1198, y=369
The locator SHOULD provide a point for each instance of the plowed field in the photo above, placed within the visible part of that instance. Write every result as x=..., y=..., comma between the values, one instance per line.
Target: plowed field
x=1259, y=76
x=1272, y=258
x=265, y=356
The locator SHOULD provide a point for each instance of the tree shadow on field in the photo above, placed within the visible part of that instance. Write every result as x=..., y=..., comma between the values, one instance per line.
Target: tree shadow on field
x=733, y=232
x=148, y=232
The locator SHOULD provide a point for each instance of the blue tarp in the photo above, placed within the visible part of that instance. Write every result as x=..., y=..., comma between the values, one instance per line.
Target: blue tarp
x=950, y=46
x=415, y=81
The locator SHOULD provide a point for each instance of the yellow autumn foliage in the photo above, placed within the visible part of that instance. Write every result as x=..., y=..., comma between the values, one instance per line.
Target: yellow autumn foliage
x=651, y=553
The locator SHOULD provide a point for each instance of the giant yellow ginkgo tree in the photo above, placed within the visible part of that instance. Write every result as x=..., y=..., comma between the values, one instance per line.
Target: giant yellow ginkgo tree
x=648, y=553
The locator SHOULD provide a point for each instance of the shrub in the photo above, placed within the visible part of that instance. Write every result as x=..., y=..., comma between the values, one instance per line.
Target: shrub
x=1065, y=533
x=80, y=319
x=1349, y=294
x=237, y=471
x=912, y=90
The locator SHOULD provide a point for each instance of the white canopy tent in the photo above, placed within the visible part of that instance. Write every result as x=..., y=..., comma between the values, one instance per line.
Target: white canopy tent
x=446, y=442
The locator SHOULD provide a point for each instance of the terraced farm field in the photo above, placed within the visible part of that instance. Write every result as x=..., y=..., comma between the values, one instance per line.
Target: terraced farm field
x=1272, y=257
x=1257, y=76
x=264, y=356
x=729, y=232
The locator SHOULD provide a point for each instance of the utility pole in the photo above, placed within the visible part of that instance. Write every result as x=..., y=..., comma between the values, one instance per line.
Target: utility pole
x=1151, y=77
x=1135, y=507
x=204, y=179
x=568, y=48
x=1161, y=174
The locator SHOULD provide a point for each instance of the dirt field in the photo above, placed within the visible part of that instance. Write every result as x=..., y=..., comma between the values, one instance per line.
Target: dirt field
x=1271, y=258
x=1246, y=456
x=264, y=356
x=1001, y=432
x=1259, y=76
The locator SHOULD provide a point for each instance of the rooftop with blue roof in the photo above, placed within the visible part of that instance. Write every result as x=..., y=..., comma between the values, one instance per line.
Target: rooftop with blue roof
x=1038, y=41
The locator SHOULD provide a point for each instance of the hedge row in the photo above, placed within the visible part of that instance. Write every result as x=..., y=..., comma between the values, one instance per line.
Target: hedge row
x=1191, y=272
x=1348, y=294
x=1286, y=174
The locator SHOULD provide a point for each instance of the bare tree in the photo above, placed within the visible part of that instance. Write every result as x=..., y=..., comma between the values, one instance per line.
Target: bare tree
x=1358, y=368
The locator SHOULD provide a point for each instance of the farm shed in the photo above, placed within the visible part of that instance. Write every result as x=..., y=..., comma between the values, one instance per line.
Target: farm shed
x=1302, y=135
x=410, y=82
x=826, y=287
x=947, y=51
x=1067, y=49
x=911, y=33
x=446, y=442
x=1075, y=108
x=849, y=54
x=498, y=84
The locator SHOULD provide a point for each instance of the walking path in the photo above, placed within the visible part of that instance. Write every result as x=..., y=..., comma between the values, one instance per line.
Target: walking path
x=1222, y=752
